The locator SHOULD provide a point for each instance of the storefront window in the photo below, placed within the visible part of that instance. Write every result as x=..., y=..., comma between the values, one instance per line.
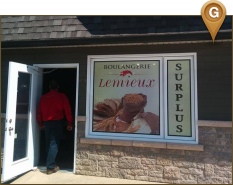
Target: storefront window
x=146, y=97
x=126, y=97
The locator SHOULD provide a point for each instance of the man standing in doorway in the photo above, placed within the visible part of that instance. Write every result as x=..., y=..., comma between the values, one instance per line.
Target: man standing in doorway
x=53, y=107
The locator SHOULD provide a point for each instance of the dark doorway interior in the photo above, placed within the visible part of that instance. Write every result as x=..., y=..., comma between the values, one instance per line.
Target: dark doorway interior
x=67, y=81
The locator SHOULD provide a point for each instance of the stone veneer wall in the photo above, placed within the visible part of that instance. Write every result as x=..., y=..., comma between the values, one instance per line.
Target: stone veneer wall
x=213, y=165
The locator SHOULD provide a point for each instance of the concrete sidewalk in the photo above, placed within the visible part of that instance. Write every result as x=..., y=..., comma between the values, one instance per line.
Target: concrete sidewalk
x=40, y=177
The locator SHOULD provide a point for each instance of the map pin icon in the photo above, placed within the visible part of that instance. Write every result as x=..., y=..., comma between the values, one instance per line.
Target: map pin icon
x=213, y=14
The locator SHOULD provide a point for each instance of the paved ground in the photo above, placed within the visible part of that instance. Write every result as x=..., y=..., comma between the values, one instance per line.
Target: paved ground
x=39, y=177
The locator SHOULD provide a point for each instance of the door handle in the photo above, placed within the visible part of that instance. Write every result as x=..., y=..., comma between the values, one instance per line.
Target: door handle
x=10, y=129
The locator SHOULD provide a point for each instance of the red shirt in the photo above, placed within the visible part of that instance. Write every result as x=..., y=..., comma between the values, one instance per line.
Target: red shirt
x=54, y=106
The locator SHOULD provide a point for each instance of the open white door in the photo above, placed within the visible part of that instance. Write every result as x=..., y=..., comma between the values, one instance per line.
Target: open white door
x=20, y=120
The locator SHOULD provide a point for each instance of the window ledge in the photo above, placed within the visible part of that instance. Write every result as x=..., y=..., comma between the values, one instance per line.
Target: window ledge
x=208, y=123
x=141, y=144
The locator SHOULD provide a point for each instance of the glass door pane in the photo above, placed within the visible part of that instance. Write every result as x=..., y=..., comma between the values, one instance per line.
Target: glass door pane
x=22, y=116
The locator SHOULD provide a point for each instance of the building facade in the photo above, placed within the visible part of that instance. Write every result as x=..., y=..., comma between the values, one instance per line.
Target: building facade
x=45, y=42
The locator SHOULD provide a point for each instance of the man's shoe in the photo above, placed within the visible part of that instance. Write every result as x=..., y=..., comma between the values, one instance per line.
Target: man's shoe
x=50, y=171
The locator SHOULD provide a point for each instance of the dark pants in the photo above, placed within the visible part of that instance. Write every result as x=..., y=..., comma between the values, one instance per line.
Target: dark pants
x=53, y=136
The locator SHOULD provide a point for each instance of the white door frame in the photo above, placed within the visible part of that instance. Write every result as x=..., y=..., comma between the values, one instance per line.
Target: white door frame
x=74, y=65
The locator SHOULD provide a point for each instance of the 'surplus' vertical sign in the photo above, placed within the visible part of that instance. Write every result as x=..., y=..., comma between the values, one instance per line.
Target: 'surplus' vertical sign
x=179, y=94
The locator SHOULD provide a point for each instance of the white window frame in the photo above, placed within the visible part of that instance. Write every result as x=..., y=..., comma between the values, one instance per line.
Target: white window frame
x=163, y=107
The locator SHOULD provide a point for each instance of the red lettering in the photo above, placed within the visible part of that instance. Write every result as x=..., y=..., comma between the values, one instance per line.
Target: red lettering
x=100, y=82
x=139, y=83
x=150, y=83
x=108, y=82
x=127, y=83
x=118, y=83
x=143, y=83
x=133, y=82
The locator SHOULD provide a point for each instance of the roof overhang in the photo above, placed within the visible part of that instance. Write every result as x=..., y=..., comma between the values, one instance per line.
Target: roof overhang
x=123, y=39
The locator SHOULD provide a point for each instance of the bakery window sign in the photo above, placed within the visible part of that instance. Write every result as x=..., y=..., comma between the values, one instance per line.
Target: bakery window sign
x=149, y=97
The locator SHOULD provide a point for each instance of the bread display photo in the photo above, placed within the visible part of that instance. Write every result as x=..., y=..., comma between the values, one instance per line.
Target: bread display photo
x=125, y=115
